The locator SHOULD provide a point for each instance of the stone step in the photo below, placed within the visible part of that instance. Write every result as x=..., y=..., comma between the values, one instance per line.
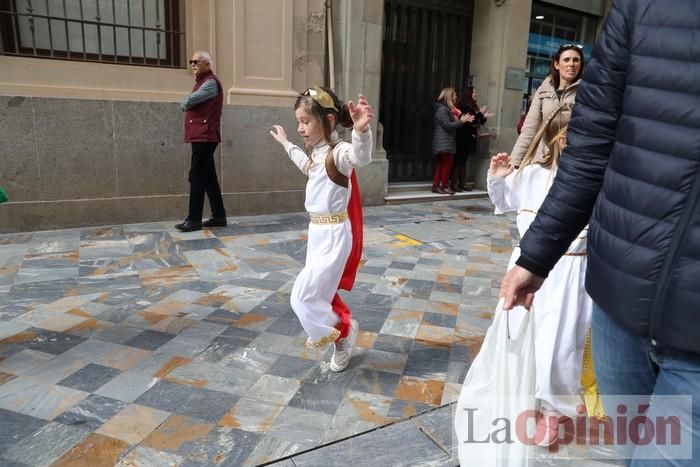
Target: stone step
x=399, y=187
x=426, y=196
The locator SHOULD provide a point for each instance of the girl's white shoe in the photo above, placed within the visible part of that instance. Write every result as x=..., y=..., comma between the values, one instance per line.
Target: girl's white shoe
x=343, y=349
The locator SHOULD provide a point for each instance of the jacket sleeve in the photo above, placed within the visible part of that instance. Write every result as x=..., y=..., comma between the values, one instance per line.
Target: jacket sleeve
x=442, y=116
x=205, y=92
x=359, y=153
x=591, y=136
x=299, y=157
x=527, y=133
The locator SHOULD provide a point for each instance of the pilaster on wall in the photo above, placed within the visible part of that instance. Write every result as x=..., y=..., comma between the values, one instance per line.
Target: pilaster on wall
x=257, y=70
x=499, y=42
x=357, y=35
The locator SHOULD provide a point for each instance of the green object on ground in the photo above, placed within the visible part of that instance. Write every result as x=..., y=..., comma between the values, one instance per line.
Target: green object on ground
x=3, y=196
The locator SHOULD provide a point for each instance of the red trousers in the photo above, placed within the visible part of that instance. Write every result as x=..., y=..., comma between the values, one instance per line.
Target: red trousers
x=443, y=166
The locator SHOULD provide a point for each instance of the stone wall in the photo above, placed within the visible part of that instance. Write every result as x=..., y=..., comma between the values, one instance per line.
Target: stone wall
x=75, y=163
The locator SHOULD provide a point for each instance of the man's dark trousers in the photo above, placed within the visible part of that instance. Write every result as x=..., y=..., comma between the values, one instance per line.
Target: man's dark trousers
x=203, y=180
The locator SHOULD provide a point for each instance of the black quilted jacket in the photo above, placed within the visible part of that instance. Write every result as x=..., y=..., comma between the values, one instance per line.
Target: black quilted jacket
x=632, y=166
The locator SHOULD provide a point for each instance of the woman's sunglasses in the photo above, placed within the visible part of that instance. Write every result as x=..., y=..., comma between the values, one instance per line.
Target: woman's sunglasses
x=570, y=45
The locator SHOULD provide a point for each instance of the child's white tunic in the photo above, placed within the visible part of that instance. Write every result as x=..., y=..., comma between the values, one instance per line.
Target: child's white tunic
x=329, y=245
x=561, y=308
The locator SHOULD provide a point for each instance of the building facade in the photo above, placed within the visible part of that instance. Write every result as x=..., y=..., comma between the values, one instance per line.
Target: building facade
x=89, y=92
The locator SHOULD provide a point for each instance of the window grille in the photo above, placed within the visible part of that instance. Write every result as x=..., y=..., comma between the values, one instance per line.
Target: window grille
x=135, y=32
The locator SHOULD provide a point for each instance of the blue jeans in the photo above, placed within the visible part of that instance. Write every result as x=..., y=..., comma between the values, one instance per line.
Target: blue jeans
x=626, y=364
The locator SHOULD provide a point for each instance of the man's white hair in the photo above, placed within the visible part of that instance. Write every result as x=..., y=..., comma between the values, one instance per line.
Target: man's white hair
x=205, y=56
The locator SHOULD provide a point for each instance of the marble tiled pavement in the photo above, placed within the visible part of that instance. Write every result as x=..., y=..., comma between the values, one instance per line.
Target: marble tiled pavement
x=139, y=345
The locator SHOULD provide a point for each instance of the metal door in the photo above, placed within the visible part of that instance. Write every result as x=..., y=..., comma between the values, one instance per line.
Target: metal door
x=426, y=47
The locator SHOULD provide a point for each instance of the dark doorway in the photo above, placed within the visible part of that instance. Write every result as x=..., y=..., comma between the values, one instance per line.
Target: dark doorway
x=426, y=47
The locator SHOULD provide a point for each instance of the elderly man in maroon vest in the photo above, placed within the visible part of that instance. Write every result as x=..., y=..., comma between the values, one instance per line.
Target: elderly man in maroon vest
x=203, y=129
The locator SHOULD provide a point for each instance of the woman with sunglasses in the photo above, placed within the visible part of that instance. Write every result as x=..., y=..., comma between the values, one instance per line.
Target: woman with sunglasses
x=557, y=90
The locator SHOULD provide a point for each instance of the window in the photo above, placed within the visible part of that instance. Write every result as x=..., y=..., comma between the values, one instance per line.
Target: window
x=136, y=32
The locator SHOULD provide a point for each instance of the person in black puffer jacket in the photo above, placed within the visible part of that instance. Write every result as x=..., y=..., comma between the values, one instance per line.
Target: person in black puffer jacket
x=632, y=165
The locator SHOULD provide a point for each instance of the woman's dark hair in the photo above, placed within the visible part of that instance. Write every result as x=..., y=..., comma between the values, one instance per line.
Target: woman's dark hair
x=339, y=110
x=465, y=98
x=554, y=73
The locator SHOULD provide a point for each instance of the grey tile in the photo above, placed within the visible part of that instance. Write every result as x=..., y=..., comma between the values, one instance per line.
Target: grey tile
x=207, y=405
x=128, y=386
x=270, y=448
x=401, y=265
x=304, y=426
x=438, y=425
x=440, y=319
x=31, y=396
x=370, y=319
x=91, y=413
x=200, y=244
x=149, y=340
x=323, y=390
x=222, y=316
x=166, y=396
x=418, y=289
x=396, y=344
x=220, y=349
x=375, y=382
x=14, y=427
x=380, y=302
x=288, y=366
x=46, y=444
x=224, y=447
x=379, y=449
x=52, y=342
x=90, y=378
x=285, y=326
x=426, y=361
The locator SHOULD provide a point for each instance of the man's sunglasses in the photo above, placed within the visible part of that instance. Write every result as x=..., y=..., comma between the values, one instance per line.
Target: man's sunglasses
x=194, y=62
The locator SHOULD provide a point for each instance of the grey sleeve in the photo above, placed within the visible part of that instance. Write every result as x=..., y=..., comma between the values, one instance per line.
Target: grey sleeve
x=208, y=90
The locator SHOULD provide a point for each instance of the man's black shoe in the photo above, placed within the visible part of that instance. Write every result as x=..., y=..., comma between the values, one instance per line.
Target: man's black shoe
x=215, y=222
x=189, y=226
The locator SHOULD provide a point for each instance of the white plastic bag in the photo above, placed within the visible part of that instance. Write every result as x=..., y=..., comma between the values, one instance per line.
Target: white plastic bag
x=495, y=416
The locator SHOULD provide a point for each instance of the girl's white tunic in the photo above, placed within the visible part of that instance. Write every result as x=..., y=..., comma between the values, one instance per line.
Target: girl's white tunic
x=329, y=245
x=561, y=308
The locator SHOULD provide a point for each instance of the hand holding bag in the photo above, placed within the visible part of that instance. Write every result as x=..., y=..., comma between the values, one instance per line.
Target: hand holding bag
x=495, y=416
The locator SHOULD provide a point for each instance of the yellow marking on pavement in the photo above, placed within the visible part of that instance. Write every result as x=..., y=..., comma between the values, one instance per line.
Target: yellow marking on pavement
x=404, y=241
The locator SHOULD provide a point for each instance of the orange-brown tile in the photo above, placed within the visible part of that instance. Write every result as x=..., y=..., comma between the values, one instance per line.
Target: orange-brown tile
x=96, y=451
x=419, y=390
x=176, y=431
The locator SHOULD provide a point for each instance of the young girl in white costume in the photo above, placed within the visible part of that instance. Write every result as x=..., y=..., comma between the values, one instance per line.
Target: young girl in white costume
x=334, y=205
x=561, y=308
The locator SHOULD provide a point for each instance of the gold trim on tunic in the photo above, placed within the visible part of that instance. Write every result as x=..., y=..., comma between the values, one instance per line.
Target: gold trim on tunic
x=334, y=218
x=330, y=338
x=580, y=253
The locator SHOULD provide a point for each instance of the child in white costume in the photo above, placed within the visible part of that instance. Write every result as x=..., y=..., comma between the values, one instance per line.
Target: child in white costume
x=334, y=205
x=561, y=308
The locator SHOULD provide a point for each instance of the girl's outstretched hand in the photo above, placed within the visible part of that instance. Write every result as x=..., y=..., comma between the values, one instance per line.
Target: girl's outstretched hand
x=500, y=165
x=279, y=134
x=361, y=113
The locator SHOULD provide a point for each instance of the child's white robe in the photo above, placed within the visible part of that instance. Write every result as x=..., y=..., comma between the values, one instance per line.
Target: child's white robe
x=329, y=245
x=561, y=308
